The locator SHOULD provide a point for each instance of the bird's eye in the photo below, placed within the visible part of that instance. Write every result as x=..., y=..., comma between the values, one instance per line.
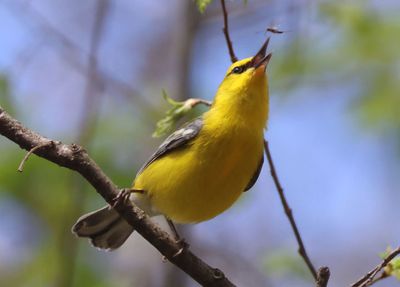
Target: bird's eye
x=238, y=70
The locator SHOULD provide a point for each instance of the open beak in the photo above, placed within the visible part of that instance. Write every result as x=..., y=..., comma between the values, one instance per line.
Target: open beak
x=261, y=59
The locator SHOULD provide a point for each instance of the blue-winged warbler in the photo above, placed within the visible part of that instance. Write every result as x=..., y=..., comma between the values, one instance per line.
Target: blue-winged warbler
x=200, y=170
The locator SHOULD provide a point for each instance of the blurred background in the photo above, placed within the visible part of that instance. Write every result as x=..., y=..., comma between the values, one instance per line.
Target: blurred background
x=92, y=72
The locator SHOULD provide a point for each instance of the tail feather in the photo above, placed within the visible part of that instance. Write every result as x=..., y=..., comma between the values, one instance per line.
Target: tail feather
x=114, y=236
x=105, y=228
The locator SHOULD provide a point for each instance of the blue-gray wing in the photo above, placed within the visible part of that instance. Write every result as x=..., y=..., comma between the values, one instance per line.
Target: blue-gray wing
x=255, y=175
x=178, y=139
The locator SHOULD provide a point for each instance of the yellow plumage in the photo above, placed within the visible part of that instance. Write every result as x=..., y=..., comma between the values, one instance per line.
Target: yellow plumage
x=200, y=170
x=204, y=178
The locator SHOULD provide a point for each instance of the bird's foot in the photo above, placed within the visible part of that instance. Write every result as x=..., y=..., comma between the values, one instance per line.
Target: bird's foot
x=123, y=196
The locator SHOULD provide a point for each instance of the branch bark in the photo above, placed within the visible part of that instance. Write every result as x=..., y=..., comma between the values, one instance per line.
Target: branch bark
x=76, y=158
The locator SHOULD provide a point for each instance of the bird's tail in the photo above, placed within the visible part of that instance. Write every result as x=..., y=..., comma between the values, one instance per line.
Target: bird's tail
x=105, y=228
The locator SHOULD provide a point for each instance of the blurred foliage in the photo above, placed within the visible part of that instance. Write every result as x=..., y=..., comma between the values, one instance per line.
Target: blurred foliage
x=360, y=49
x=172, y=116
x=47, y=192
x=393, y=268
x=369, y=49
x=285, y=263
x=202, y=4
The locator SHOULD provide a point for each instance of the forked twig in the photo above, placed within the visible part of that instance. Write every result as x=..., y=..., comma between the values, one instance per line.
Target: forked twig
x=288, y=211
x=226, y=33
x=368, y=278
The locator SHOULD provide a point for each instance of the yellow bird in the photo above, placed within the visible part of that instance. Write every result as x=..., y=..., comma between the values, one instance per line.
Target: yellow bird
x=200, y=170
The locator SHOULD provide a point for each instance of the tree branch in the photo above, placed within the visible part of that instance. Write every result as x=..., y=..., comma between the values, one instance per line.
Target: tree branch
x=288, y=211
x=368, y=279
x=76, y=158
x=226, y=33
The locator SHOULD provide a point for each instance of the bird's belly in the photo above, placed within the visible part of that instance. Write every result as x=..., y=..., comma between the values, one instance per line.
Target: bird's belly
x=199, y=182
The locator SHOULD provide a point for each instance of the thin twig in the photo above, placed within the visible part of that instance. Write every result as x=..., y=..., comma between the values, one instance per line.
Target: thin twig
x=76, y=158
x=31, y=151
x=288, y=212
x=368, y=278
x=226, y=33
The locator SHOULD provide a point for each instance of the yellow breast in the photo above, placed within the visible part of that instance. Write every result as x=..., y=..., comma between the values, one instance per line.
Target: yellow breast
x=202, y=180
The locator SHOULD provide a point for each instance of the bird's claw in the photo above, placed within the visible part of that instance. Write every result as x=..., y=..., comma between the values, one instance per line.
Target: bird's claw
x=122, y=196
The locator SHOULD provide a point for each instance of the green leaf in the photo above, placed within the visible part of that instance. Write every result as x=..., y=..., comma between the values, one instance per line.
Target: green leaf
x=169, y=100
x=282, y=263
x=202, y=5
x=393, y=268
x=172, y=116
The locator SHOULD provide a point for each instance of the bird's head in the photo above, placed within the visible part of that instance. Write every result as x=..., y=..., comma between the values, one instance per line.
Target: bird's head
x=247, y=74
x=243, y=94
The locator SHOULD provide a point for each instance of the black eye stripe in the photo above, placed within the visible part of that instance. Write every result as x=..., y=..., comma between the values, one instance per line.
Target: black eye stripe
x=240, y=69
